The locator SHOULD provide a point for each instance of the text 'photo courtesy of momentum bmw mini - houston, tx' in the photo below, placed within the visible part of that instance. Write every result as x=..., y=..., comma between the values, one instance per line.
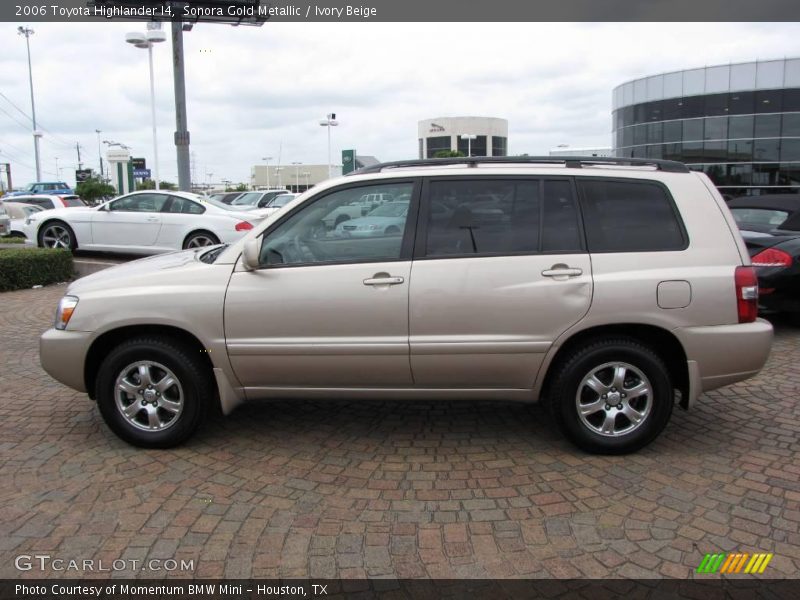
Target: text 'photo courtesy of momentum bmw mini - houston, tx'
x=614, y=283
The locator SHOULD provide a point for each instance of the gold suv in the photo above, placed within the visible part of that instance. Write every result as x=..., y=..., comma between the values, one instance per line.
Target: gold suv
x=610, y=288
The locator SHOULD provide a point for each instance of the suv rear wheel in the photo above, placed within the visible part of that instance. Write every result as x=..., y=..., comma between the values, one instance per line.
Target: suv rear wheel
x=612, y=396
x=153, y=392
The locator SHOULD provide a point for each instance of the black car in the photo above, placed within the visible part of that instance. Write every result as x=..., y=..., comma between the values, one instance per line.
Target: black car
x=771, y=229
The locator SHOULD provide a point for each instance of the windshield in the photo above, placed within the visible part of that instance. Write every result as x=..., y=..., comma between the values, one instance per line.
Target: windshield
x=395, y=209
x=760, y=216
x=281, y=200
x=222, y=205
x=250, y=198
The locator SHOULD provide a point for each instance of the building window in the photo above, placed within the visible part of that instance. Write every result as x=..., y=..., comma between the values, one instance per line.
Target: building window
x=740, y=128
x=499, y=146
x=477, y=146
x=716, y=128
x=437, y=144
x=768, y=126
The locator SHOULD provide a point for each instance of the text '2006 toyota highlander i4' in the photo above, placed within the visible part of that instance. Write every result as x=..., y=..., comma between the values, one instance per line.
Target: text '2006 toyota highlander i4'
x=610, y=288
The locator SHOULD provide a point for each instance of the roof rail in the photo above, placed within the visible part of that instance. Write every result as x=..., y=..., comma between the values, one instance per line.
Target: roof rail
x=571, y=162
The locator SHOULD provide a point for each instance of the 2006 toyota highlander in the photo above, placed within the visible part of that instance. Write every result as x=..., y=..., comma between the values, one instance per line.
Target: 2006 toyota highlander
x=610, y=288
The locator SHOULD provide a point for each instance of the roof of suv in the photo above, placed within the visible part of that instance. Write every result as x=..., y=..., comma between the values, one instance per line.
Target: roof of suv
x=569, y=162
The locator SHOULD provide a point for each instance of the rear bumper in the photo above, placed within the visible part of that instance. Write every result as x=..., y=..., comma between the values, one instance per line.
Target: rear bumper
x=63, y=354
x=724, y=354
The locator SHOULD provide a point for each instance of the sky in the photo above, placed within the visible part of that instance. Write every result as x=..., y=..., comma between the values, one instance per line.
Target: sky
x=261, y=91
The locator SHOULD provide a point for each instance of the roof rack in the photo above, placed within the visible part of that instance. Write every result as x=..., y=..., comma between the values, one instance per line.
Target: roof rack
x=571, y=162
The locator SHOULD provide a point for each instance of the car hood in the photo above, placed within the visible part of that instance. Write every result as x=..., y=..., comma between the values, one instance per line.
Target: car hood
x=152, y=267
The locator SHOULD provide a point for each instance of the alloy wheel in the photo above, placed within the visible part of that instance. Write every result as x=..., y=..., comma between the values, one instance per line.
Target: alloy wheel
x=149, y=396
x=614, y=399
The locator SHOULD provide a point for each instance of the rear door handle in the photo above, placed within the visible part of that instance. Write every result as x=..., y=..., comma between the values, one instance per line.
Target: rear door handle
x=381, y=279
x=152, y=219
x=562, y=271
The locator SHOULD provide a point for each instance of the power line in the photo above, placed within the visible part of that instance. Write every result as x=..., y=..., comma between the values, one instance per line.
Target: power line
x=22, y=112
x=13, y=118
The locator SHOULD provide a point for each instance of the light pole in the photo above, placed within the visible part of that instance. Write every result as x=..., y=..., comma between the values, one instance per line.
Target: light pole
x=266, y=159
x=28, y=32
x=58, y=173
x=306, y=174
x=154, y=35
x=99, y=152
x=330, y=121
x=278, y=171
x=469, y=137
x=297, y=176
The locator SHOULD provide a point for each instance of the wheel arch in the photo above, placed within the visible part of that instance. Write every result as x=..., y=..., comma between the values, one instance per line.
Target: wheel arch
x=663, y=342
x=104, y=343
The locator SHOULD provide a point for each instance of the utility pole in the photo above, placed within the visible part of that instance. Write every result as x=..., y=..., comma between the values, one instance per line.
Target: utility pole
x=78, y=148
x=181, y=125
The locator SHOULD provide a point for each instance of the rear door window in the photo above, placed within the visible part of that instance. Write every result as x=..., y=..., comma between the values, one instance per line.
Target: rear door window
x=501, y=216
x=630, y=216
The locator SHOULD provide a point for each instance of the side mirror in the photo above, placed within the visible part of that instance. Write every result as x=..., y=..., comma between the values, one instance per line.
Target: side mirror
x=250, y=258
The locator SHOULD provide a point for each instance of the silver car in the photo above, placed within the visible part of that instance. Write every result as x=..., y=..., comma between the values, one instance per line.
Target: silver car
x=612, y=289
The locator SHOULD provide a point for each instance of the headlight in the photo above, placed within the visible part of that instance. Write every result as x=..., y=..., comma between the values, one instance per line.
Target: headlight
x=64, y=312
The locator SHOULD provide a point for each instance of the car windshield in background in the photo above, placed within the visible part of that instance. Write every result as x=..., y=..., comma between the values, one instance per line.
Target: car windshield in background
x=759, y=216
x=249, y=199
x=222, y=205
x=392, y=209
x=281, y=200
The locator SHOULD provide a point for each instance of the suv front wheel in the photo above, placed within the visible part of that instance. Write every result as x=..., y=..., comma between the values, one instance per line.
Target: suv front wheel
x=153, y=392
x=612, y=396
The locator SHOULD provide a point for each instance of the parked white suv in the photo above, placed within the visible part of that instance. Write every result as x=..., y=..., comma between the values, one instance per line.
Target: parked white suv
x=610, y=288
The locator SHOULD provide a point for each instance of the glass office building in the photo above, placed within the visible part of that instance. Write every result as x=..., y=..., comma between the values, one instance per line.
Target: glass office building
x=738, y=123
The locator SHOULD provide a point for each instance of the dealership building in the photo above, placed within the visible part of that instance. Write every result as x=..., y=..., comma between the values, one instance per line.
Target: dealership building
x=475, y=136
x=738, y=123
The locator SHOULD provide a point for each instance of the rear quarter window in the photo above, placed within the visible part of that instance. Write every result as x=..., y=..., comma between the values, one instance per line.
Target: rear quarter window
x=70, y=202
x=630, y=216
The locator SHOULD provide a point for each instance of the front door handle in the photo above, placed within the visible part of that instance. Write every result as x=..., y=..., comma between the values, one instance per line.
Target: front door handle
x=561, y=270
x=152, y=219
x=383, y=279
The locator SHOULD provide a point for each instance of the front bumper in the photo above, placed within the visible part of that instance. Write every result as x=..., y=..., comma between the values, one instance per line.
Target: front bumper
x=63, y=355
x=723, y=354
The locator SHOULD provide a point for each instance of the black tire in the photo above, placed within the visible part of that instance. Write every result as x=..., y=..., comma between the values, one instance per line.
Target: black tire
x=341, y=219
x=583, y=432
x=196, y=387
x=199, y=239
x=66, y=235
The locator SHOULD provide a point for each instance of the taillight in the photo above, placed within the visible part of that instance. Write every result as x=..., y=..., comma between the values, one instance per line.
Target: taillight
x=772, y=257
x=746, y=294
x=244, y=226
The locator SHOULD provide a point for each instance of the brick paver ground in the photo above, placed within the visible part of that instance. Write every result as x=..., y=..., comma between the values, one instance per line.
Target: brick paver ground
x=355, y=489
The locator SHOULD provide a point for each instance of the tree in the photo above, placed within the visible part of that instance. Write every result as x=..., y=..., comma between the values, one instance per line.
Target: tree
x=449, y=154
x=242, y=187
x=149, y=184
x=94, y=189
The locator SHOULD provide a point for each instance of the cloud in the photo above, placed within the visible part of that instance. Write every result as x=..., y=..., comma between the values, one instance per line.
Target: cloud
x=254, y=92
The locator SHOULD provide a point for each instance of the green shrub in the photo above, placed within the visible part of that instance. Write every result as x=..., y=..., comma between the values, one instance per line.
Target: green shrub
x=10, y=239
x=25, y=268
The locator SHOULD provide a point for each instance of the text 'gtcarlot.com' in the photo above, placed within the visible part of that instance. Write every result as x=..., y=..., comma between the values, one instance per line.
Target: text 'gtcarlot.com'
x=45, y=562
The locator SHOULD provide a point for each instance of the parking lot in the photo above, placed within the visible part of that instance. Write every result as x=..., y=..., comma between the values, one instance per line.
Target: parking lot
x=356, y=489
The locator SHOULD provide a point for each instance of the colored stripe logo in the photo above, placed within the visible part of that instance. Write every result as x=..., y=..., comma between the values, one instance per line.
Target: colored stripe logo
x=737, y=562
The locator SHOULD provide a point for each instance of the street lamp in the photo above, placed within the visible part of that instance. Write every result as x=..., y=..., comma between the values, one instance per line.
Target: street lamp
x=266, y=159
x=297, y=176
x=58, y=173
x=99, y=152
x=330, y=121
x=278, y=171
x=469, y=137
x=28, y=32
x=154, y=35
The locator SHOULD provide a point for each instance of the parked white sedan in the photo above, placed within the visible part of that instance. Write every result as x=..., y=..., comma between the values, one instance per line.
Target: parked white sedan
x=146, y=222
